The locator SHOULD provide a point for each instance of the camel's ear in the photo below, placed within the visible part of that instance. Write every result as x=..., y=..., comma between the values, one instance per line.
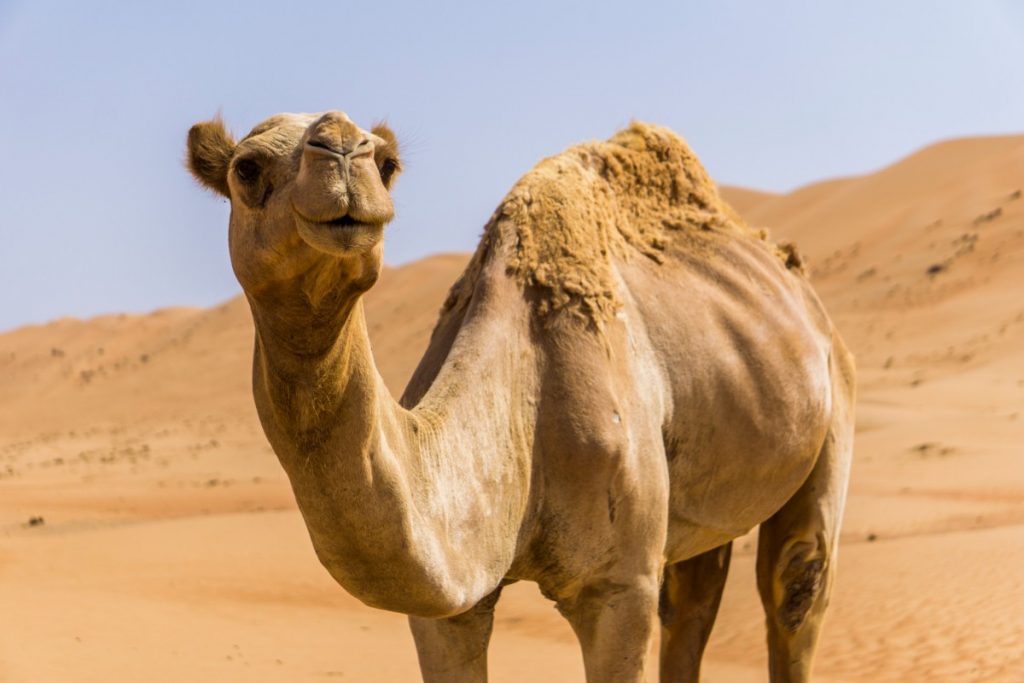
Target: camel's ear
x=210, y=147
x=385, y=153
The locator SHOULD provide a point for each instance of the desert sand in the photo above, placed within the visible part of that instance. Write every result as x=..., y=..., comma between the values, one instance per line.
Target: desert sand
x=147, y=531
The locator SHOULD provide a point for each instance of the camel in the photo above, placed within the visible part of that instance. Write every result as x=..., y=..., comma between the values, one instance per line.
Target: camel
x=624, y=379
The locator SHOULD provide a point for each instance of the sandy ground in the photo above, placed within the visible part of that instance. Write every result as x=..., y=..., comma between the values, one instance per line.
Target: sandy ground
x=170, y=548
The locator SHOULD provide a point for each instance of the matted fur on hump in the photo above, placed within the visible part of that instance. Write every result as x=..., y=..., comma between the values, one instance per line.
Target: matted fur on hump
x=638, y=193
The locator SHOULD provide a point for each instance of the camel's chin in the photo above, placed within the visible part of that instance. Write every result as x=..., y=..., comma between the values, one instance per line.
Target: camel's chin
x=339, y=237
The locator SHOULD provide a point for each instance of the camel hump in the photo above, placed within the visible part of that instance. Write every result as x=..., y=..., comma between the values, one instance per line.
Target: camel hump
x=641, y=194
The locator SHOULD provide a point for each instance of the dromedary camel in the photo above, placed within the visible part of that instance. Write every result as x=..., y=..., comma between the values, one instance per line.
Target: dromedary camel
x=624, y=379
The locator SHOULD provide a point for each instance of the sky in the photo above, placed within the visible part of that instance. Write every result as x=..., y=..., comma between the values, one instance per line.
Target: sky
x=98, y=214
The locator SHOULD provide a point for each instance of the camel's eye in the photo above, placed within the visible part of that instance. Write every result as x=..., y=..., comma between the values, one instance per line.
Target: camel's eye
x=247, y=170
x=253, y=186
x=388, y=167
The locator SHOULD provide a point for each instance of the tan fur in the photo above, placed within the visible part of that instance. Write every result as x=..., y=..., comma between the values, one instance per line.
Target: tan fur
x=684, y=385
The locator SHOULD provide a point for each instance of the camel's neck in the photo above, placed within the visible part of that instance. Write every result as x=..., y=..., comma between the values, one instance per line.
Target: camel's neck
x=410, y=510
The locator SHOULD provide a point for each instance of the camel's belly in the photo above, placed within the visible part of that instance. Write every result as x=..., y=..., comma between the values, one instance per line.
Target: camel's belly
x=744, y=451
x=708, y=507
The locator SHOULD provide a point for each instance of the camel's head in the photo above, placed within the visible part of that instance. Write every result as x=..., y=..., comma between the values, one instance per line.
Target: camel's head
x=309, y=193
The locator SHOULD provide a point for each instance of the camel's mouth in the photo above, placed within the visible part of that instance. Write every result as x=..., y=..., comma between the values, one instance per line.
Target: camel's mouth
x=340, y=235
x=343, y=222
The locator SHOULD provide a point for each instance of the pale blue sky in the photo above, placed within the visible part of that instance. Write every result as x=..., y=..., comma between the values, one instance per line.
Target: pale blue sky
x=97, y=213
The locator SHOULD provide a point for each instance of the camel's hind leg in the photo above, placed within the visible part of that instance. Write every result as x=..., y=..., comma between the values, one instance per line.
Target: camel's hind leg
x=797, y=547
x=454, y=650
x=690, y=595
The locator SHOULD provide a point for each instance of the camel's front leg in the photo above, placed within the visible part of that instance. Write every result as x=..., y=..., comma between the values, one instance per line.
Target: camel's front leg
x=454, y=650
x=615, y=624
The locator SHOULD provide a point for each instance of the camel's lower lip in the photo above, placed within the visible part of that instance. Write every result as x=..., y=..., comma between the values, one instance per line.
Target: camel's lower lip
x=339, y=235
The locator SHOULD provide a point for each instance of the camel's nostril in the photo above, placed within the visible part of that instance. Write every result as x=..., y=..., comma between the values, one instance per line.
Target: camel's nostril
x=320, y=144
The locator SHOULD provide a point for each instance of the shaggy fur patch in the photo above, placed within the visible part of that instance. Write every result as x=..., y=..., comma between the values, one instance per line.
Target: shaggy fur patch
x=563, y=222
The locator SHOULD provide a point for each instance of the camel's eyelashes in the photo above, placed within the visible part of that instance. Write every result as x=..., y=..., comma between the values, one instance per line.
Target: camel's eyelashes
x=247, y=170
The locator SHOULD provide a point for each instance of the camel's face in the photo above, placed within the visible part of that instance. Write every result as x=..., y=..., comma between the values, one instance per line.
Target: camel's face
x=304, y=189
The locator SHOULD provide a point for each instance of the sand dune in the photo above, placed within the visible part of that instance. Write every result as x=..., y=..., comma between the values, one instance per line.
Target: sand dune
x=166, y=545
x=744, y=199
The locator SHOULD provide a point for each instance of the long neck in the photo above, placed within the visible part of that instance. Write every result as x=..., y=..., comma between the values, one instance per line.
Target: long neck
x=417, y=510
